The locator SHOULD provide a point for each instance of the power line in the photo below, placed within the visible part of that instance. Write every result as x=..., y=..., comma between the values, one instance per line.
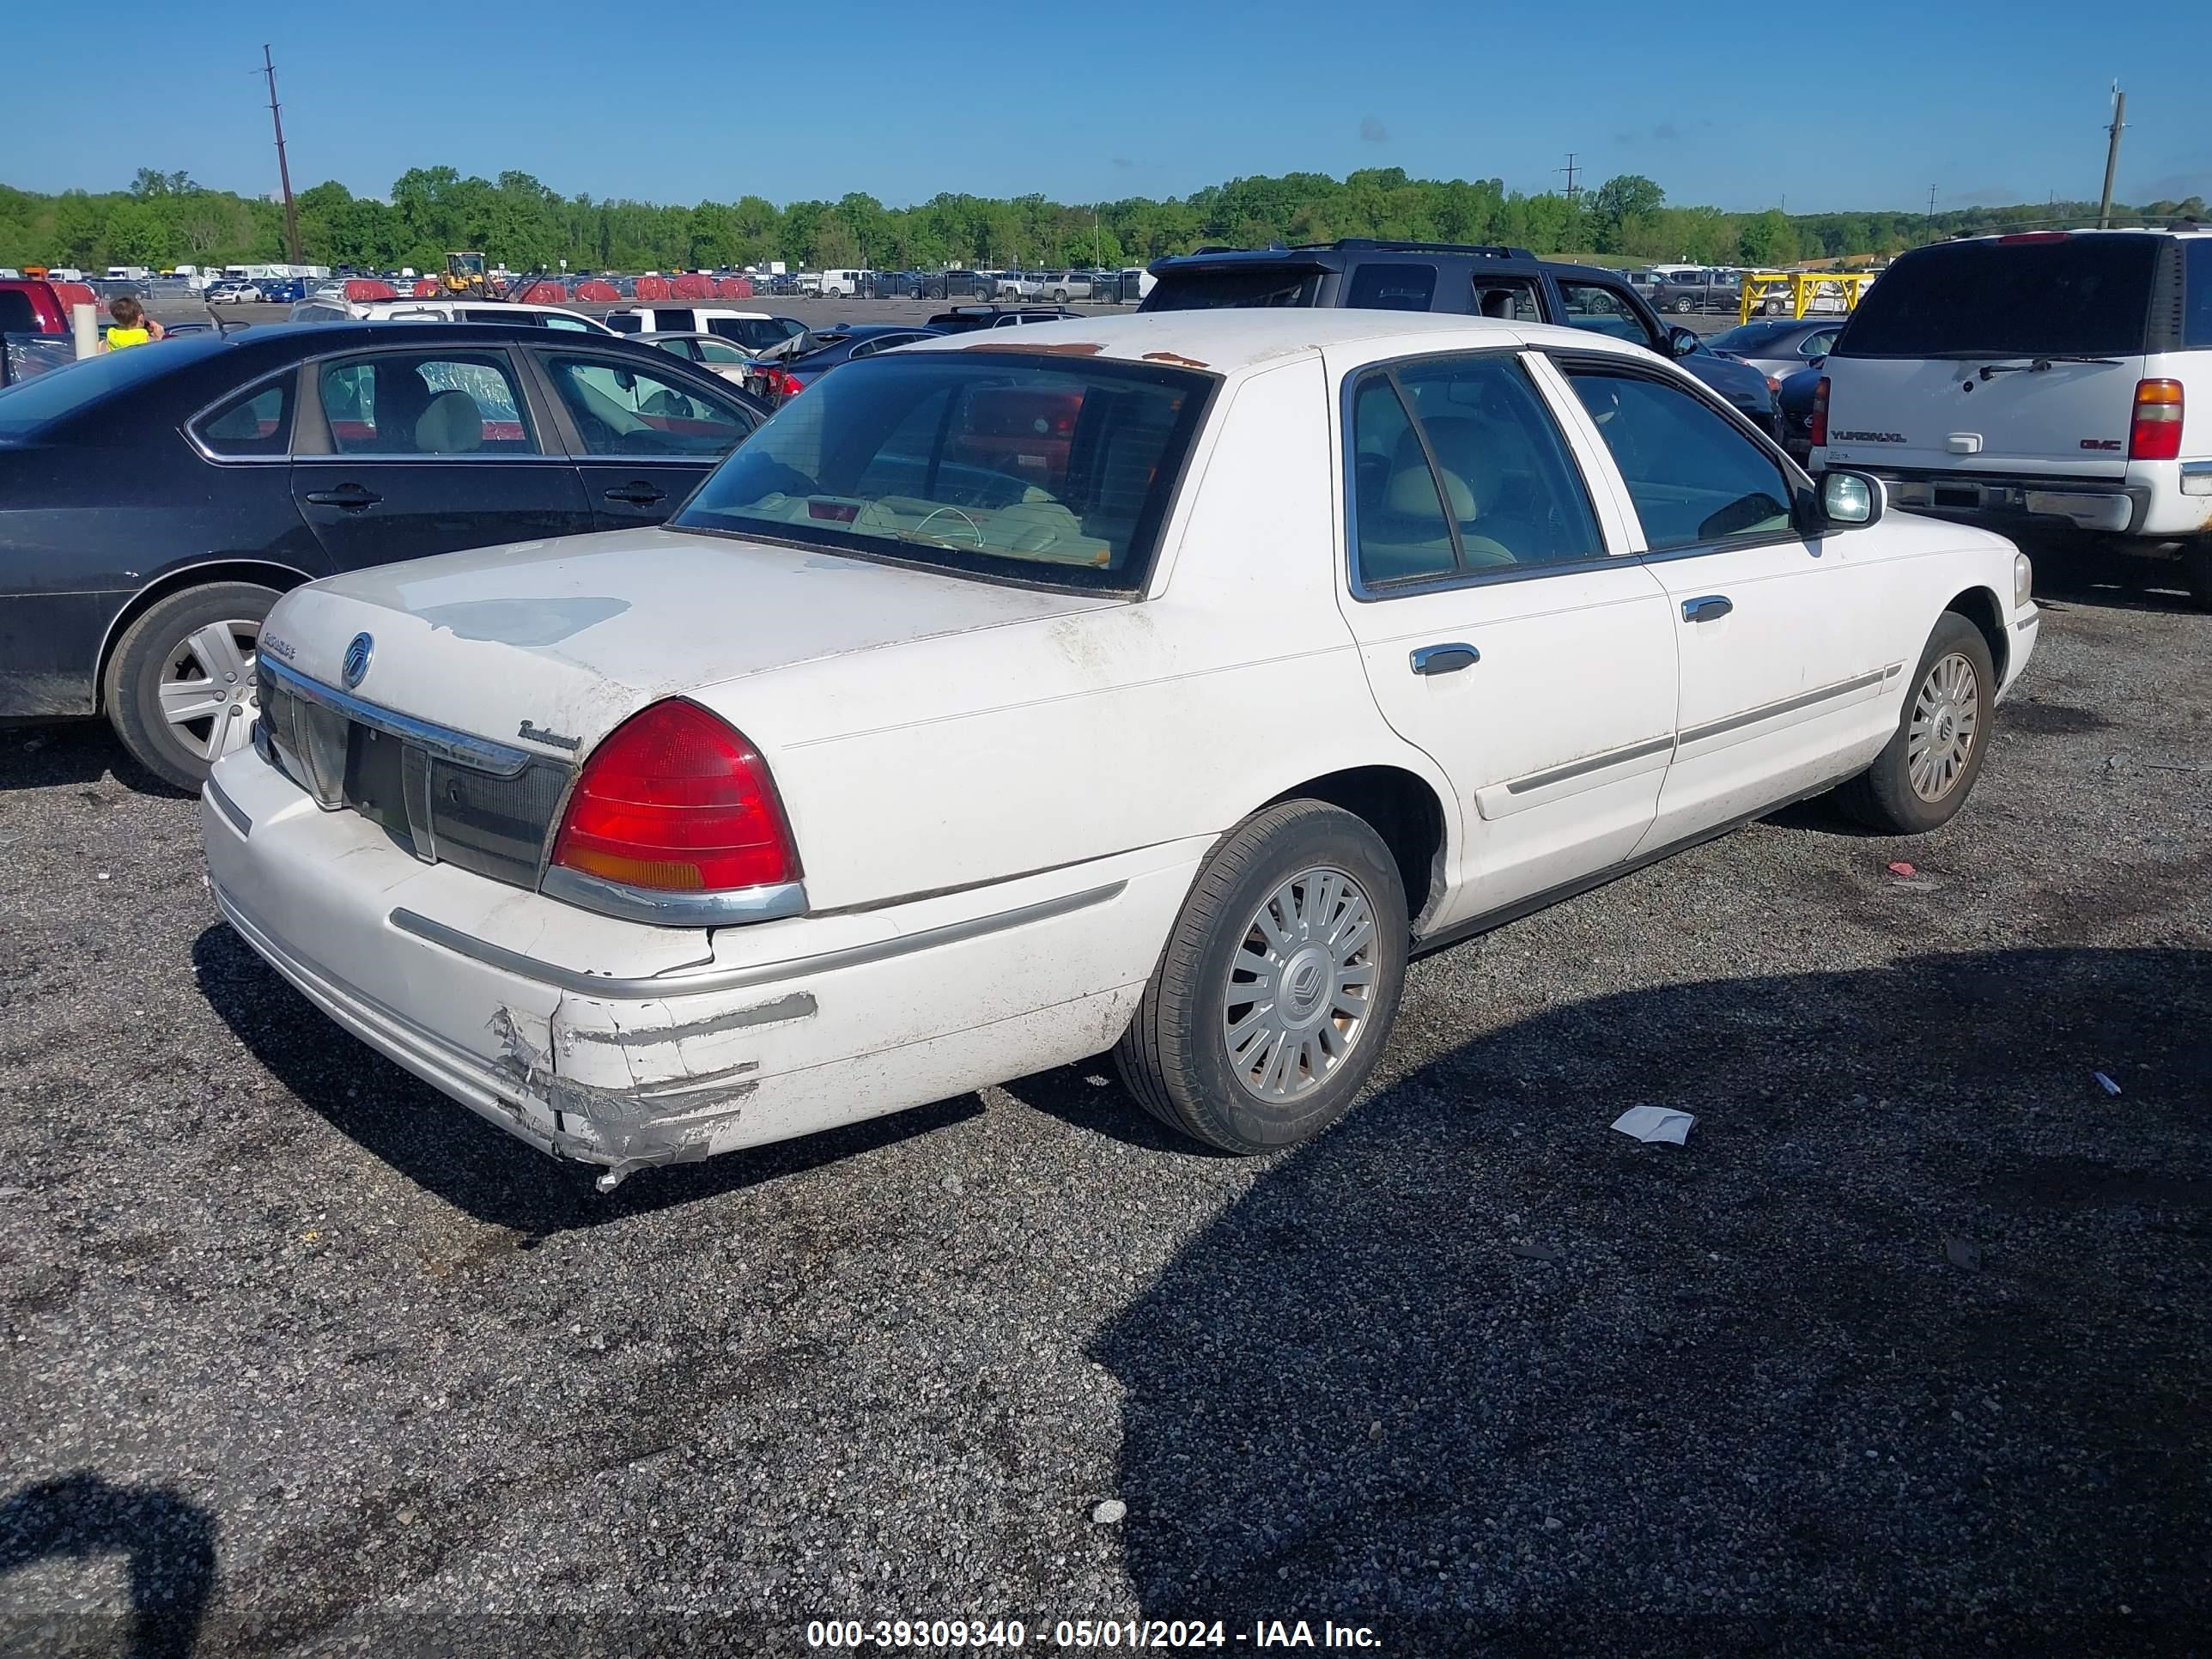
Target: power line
x=1574, y=189
x=283, y=172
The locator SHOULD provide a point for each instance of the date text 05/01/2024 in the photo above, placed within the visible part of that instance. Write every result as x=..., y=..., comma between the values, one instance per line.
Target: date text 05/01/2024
x=1135, y=1634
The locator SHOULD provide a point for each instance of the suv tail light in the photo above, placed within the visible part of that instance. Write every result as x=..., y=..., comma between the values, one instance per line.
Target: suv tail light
x=677, y=801
x=2155, y=433
x=1820, y=421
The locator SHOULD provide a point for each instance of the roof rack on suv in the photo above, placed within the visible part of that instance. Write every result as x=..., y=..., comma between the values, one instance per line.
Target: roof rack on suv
x=1488, y=250
x=1368, y=244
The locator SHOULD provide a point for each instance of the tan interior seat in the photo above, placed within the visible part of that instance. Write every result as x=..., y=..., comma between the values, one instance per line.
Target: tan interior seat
x=451, y=425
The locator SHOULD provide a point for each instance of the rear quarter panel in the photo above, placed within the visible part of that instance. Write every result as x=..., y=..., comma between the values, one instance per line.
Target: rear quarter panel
x=971, y=758
x=85, y=527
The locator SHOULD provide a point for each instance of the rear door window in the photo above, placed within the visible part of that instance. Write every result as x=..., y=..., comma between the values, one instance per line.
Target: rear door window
x=415, y=402
x=2069, y=296
x=1512, y=299
x=1460, y=467
x=1380, y=285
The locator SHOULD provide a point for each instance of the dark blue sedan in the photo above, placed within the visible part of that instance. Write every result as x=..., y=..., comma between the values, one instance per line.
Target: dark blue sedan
x=154, y=503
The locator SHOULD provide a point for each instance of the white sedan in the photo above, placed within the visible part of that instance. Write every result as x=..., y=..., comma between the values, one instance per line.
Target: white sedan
x=1153, y=684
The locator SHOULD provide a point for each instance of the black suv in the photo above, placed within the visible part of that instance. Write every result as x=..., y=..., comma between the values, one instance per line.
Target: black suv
x=1509, y=283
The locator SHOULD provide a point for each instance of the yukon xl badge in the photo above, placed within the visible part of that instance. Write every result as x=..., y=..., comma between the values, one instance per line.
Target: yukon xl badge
x=355, y=668
x=1866, y=437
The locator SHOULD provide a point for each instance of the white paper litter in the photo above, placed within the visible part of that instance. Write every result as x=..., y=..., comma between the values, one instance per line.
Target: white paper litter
x=1650, y=1123
x=2105, y=1083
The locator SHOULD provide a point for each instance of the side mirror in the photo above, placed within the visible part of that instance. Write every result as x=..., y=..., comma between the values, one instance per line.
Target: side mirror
x=1852, y=501
x=1683, y=340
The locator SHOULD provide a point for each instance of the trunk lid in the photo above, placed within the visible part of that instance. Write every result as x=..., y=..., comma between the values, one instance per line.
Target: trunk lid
x=551, y=644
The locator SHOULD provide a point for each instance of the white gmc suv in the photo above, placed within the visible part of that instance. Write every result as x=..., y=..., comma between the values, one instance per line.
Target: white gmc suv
x=2049, y=374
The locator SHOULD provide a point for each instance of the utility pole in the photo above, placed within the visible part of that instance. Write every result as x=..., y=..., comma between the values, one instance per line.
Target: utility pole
x=1574, y=189
x=2112, y=154
x=283, y=172
x=1928, y=225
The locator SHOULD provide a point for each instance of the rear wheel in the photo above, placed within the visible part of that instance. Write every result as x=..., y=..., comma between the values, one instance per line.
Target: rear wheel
x=1925, y=774
x=2196, y=570
x=179, y=688
x=1279, y=987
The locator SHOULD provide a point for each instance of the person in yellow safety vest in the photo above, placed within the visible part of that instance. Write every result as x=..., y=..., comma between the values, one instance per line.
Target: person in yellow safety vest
x=133, y=326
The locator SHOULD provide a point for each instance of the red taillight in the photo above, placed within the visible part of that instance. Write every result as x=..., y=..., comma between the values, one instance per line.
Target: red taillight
x=780, y=383
x=1820, y=421
x=2155, y=433
x=677, y=801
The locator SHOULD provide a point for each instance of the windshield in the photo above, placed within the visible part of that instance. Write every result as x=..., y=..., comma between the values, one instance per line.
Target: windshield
x=988, y=462
x=40, y=402
x=2075, y=296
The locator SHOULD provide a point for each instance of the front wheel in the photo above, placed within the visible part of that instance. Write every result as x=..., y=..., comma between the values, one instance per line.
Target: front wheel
x=1272, y=1002
x=1925, y=772
x=179, y=689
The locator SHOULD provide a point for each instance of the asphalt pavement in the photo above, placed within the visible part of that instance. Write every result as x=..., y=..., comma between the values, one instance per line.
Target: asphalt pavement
x=1903, y=1352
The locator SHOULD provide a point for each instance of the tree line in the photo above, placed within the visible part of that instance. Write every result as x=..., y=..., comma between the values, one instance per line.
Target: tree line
x=163, y=219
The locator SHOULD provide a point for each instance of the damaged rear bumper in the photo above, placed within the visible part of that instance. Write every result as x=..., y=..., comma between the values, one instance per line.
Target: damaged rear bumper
x=627, y=1046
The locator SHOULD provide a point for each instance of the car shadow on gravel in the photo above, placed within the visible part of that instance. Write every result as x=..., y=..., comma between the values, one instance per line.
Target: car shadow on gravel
x=1902, y=1351
x=63, y=752
x=2105, y=575
x=449, y=1151
x=168, y=1542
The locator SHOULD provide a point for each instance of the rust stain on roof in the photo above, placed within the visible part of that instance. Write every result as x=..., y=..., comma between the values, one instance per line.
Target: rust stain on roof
x=1179, y=361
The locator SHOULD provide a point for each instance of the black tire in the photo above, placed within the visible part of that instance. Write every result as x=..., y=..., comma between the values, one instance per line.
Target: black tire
x=145, y=660
x=1174, y=1058
x=2196, y=570
x=1883, y=797
x=1683, y=306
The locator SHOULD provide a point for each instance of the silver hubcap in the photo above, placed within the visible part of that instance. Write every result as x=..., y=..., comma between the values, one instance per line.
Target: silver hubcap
x=1301, y=985
x=207, y=693
x=1946, y=721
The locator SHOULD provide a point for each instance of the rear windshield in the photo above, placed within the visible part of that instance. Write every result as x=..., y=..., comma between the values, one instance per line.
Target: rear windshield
x=1755, y=336
x=2077, y=296
x=1233, y=287
x=1001, y=463
x=34, y=403
x=754, y=333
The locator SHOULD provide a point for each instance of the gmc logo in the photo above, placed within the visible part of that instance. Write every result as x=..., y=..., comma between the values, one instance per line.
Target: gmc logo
x=2101, y=443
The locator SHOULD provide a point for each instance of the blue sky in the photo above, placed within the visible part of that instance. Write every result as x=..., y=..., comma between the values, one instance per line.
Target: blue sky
x=1863, y=105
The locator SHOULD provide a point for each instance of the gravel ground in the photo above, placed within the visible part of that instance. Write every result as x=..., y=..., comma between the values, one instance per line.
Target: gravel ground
x=1905, y=1351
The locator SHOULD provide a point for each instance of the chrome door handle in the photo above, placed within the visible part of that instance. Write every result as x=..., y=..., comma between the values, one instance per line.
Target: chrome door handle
x=1711, y=608
x=1445, y=658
